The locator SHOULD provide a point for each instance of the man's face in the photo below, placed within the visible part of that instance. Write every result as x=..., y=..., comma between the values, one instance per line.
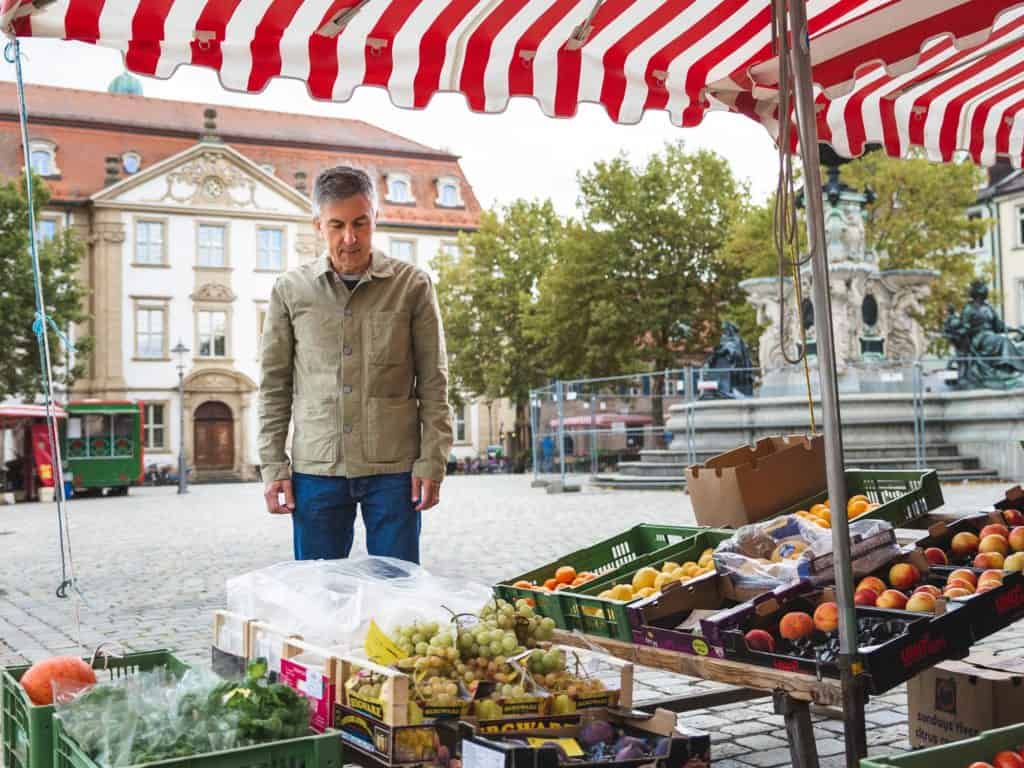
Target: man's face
x=347, y=227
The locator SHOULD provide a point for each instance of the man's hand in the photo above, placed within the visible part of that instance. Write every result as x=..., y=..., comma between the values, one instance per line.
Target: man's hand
x=270, y=495
x=427, y=492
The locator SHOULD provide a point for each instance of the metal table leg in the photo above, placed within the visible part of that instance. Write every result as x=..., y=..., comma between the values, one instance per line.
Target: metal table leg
x=802, y=748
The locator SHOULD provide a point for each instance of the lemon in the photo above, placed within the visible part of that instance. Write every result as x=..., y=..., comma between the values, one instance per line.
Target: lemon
x=704, y=560
x=607, y=595
x=622, y=592
x=646, y=592
x=668, y=566
x=662, y=580
x=689, y=569
x=644, y=578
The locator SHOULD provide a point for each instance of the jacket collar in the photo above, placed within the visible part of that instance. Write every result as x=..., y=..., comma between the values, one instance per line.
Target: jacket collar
x=381, y=265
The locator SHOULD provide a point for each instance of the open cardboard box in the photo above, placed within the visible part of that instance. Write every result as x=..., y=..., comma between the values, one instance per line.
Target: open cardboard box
x=312, y=672
x=267, y=641
x=959, y=699
x=229, y=651
x=748, y=484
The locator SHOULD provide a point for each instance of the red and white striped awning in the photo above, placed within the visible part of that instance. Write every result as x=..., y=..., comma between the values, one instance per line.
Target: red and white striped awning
x=12, y=414
x=629, y=55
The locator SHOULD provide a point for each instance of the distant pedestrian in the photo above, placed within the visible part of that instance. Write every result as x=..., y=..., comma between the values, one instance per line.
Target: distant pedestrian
x=547, y=453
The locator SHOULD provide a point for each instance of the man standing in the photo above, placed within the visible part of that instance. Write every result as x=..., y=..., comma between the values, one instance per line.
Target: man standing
x=353, y=354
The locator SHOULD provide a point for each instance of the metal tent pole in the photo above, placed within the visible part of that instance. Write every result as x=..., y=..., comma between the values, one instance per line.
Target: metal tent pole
x=853, y=703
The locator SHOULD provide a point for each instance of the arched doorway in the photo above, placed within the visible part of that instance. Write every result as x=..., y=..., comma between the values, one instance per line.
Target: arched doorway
x=214, y=436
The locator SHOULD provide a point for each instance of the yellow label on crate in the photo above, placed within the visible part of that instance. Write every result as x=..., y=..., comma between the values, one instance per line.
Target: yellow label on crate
x=571, y=747
x=380, y=648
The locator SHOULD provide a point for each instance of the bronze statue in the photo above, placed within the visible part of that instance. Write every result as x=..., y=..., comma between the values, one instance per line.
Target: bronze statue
x=729, y=365
x=986, y=355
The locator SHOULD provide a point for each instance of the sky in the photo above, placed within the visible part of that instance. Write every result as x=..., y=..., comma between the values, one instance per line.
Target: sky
x=518, y=154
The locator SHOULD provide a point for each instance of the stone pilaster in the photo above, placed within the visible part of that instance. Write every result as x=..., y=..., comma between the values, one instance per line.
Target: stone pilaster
x=106, y=272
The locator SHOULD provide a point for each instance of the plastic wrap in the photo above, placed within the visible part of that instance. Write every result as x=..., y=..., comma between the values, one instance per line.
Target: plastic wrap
x=331, y=602
x=786, y=549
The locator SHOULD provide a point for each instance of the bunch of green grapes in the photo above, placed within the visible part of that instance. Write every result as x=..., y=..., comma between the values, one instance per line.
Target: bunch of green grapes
x=441, y=691
x=544, y=663
x=367, y=685
x=519, y=620
x=567, y=682
x=430, y=646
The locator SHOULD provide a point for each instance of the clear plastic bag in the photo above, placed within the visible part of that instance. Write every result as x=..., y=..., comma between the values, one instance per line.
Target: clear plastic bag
x=786, y=549
x=331, y=602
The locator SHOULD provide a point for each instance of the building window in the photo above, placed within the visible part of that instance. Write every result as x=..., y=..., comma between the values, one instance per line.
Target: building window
x=450, y=249
x=149, y=242
x=211, y=245
x=448, y=192
x=156, y=426
x=149, y=332
x=399, y=188
x=271, y=248
x=213, y=334
x=46, y=229
x=979, y=244
x=131, y=162
x=459, y=423
x=404, y=250
x=43, y=157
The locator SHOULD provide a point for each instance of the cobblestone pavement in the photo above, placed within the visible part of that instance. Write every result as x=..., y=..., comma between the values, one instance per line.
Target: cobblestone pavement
x=153, y=565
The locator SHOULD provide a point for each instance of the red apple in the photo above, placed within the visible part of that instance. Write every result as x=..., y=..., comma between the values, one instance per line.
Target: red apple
x=1008, y=759
x=936, y=556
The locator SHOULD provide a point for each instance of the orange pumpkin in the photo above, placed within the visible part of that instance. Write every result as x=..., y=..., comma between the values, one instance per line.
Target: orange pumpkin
x=38, y=680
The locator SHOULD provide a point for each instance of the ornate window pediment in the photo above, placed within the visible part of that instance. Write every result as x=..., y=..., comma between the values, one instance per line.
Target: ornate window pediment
x=213, y=292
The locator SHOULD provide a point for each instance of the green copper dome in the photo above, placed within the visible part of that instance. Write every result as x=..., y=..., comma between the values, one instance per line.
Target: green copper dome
x=125, y=83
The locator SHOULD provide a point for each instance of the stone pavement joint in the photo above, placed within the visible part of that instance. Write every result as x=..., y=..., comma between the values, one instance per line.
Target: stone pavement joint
x=153, y=567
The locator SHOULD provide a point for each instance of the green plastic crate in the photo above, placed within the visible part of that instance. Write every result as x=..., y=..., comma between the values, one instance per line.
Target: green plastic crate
x=958, y=754
x=634, y=548
x=28, y=728
x=592, y=615
x=318, y=750
x=905, y=495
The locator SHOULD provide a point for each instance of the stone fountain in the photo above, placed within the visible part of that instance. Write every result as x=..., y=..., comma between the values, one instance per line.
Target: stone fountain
x=874, y=311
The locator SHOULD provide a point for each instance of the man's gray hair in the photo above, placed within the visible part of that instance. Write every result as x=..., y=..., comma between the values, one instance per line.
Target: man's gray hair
x=340, y=183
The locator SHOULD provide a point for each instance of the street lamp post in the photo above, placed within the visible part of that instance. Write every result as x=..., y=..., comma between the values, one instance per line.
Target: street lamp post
x=180, y=350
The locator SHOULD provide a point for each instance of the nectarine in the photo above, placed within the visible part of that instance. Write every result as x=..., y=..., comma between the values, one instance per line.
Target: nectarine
x=931, y=589
x=1007, y=759
x=1014, y=562
x=922, y=602
x=936, y=556
x=954, y=592
x=904, y=575
x=873, y=583
x=1016, y=539
x=986, y=560
x=892, y=598
x=796, y=624
x=961, y=584
x=759, y=640
x=964, y=544
x=964, y=573
x=997, y=528
x=867, y=597
x=826, y=617
x=1013, y=517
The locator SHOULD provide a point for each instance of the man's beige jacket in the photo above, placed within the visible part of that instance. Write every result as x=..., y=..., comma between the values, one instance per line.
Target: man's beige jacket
x=363, y=374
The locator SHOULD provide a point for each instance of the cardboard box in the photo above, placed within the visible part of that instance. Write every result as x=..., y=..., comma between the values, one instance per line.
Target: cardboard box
x=750, y=484
x=267, y=642
x=229, y=652
x=959, y=699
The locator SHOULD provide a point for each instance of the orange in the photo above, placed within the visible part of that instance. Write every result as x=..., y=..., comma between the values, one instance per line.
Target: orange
x=565, y=574
x=550, y=584
x=586, y=576
x=560, y=587
x=817, y=509
x=857, y=507
x=523, y=584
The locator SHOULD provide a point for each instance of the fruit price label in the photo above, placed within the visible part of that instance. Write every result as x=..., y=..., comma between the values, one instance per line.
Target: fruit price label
x=380, y=648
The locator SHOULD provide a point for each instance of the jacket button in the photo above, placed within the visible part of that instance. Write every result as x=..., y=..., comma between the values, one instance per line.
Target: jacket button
x=347, y=389
x=348, y=428
x=347, y=350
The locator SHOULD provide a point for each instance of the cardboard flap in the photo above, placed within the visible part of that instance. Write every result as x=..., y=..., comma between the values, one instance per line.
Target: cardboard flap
x=1004, y=666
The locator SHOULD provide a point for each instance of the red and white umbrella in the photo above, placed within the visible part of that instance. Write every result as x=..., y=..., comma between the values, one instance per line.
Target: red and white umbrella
x=629, y=55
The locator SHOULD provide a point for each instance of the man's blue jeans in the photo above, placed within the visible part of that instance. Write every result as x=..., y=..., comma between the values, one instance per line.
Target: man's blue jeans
x=325, y=514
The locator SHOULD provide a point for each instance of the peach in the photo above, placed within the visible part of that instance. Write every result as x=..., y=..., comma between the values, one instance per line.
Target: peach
x=873, y=583
x=796, y=624
x=1016, y=539
x=922, y=602
x=994, y=528
x=826, y=617
x=892, y=598
x=993, y=575
x=964, y=573
x=953, y=592
x=995, y=543
x=936, y=556
x=961, y=584
x=988, y=586
x=1014, y=562
x=964, y=544
x=904, y=575
x=981, y=764
x=866, y=597
x=1013, y=517
x=759, y=640
x=930, y=589
x=1007, y=759
x=986, y=560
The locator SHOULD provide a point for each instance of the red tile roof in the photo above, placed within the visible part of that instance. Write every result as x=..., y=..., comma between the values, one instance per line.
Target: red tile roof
x=87, y=126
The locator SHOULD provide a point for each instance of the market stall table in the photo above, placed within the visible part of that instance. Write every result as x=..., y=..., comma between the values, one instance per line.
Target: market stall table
x=792, y=692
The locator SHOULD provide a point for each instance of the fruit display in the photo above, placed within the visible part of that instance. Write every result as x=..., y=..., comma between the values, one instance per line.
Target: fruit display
x=564, y=577
x=904, y=588
x=993, y=541
x=821, y=514
x=650, y=581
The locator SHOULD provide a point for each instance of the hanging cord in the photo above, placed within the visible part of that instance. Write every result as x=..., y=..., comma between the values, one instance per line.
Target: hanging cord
x=785, y=223
x=68, y=583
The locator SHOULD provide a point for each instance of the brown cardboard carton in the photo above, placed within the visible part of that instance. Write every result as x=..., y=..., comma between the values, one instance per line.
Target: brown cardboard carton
x=959, y=699
x=748, y=484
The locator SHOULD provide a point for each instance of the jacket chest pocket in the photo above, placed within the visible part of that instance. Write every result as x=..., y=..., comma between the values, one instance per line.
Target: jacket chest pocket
x=390, y=338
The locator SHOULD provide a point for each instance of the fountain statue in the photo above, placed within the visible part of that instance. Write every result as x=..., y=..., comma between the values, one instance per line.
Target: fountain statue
x=986, y=356
x=729, y=366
